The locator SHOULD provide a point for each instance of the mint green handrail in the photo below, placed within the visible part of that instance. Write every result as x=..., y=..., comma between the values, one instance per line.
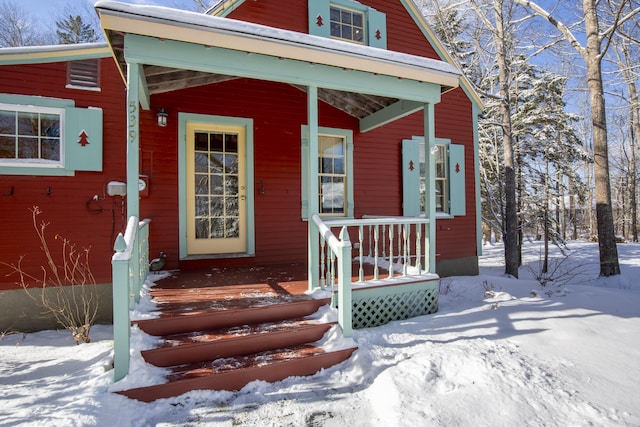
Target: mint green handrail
x=129, y=267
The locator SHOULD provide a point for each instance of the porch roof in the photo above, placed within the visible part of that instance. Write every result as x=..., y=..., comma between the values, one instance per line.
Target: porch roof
x=120, y=20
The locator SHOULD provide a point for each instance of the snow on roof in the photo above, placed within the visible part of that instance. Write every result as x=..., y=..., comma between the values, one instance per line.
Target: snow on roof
x=199, y=21
x=53, y=53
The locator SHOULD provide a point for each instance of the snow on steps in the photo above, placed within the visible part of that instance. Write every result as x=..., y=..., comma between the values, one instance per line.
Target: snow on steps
x=227, y=349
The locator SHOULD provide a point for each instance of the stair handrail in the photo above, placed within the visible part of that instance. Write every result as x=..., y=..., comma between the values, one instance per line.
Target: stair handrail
x=341, y=247
x=129, y=267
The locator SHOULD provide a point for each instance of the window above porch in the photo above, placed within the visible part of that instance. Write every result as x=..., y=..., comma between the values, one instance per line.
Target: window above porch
x=348, y=20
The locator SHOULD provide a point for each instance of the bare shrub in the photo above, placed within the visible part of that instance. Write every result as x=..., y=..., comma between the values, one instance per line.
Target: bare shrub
x=559, y=271
x=73, y=298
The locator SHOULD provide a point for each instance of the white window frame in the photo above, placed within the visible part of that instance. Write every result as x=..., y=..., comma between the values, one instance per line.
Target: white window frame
x=331, y=175
x=442, y=162
x=37, y=163
x=361, y=13
x=347, y=136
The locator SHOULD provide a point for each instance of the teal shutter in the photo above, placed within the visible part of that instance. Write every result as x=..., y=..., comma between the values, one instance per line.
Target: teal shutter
x=457, y=194
x=304, y=162
x=319, y=14
x=410, y=177
x=377, y=29
x=83, y=139
x=349, y=197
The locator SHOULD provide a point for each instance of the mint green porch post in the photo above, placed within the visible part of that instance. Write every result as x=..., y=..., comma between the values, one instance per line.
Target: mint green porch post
x=314, y=239
x=430, y=193
x=133, y=137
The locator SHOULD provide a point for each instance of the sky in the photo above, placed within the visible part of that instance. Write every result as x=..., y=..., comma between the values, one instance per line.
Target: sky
x=499, y=352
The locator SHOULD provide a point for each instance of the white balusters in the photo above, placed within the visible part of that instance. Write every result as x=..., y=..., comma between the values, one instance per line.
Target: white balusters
x=361, y=258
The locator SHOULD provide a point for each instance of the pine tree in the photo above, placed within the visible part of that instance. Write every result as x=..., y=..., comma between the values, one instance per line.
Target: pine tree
x=73, y=30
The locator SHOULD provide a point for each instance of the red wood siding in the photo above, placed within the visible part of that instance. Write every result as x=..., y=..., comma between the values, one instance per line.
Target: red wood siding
x=287, y=14
x=277, y=110
x=65, y=209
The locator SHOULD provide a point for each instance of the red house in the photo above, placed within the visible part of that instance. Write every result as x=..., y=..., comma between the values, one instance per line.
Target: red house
x=251, y=137
x=62, y=115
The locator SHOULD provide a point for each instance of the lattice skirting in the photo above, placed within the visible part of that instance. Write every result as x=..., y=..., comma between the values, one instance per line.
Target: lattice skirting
x=375, y=307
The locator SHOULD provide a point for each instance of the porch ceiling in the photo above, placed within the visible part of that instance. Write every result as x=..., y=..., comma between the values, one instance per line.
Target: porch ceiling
x=166, y=79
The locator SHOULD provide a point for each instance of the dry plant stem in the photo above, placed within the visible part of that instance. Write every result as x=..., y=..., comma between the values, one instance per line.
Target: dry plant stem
x=74, y=302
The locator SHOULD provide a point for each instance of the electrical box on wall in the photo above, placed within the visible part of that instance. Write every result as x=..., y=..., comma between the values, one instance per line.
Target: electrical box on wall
x=116, y=188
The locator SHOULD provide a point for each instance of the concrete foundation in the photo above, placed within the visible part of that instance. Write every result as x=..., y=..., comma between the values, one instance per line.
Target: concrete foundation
x=20, y=313
x=458, y=267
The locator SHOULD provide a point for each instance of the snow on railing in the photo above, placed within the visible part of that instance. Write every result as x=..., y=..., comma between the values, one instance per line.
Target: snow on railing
x=130, y=267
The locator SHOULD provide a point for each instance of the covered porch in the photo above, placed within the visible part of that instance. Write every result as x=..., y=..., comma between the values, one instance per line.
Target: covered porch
x=160, y=53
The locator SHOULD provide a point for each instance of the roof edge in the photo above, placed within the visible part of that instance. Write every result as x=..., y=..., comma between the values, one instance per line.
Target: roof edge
x=154, y=20
x=53, y=53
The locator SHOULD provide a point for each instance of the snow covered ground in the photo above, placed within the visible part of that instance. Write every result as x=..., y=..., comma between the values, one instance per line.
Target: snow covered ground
x=500, y=352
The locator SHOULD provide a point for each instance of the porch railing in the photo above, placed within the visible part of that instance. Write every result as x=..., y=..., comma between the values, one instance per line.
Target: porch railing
x=130, y=266
x=389, y=250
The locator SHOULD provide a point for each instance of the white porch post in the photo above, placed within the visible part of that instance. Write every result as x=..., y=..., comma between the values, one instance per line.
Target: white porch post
x=133, y=138
x=314, y=239
x=430, y=193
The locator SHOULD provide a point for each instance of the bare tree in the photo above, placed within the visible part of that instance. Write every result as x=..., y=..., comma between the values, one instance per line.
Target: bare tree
x=626, y=62
x=17, y=28
x=597, y=43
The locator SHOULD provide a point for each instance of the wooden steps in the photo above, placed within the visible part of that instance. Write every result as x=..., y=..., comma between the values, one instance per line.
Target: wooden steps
x=196, y=320
x=213, y=341
x=189, y=348
x=293, y=362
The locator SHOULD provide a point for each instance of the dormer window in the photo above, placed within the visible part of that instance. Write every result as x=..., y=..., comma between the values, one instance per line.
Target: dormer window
x=348, y=20
x=347, y=24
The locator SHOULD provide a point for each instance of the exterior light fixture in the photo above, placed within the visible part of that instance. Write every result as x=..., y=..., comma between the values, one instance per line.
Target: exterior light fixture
x=162, y=117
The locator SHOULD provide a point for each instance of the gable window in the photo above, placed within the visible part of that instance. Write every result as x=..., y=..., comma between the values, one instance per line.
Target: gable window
x=48, y=136
x=84, y=74
x=30, y=134
x=335, y=172
x=348, y=20
x=347, y=24
x=449, y=185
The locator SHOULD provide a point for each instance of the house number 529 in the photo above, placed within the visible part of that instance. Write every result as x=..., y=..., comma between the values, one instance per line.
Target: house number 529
x=133, y=115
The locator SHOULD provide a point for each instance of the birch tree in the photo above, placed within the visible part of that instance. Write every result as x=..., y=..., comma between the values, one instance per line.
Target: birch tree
x=597, y=43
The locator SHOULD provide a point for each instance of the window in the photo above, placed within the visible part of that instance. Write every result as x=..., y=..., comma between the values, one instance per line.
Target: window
x=335, y=172
x=347, y=24
x=48, y=136
x=84, y=74
x=30, y=134
x=332, y=175
x=441, y=187
x=449, y=175
x=348, y=20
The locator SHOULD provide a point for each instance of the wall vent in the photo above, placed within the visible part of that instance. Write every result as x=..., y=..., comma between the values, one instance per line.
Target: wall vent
x=84, y=74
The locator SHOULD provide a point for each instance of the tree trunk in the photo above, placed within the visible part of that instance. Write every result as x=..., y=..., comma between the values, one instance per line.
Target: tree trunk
x=510, y=218
x=609, y=265
x=520, y=207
